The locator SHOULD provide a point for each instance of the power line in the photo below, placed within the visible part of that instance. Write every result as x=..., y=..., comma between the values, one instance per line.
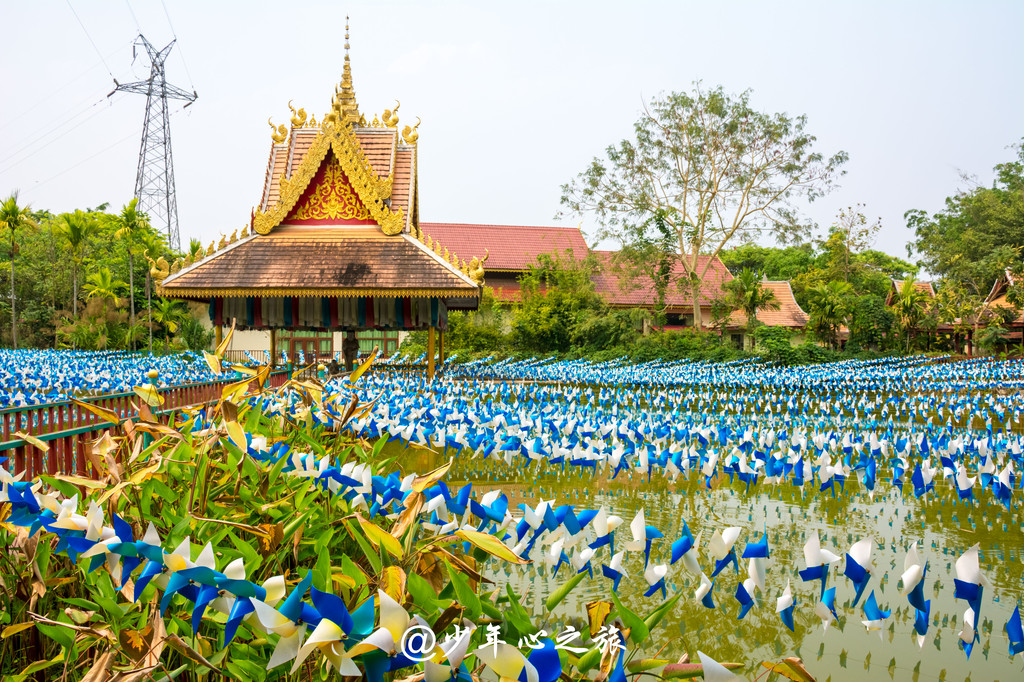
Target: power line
x=137, y=25
x=181, y=54
x=112, y=145
x=29, y=145
x=57, y=92
x=91, y=41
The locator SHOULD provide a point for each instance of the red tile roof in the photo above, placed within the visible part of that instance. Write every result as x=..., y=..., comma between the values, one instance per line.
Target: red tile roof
x=641, y=291
x=789, y=314
x=511, y=247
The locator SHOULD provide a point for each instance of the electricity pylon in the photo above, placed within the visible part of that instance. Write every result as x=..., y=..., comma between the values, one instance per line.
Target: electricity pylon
x=154, y=182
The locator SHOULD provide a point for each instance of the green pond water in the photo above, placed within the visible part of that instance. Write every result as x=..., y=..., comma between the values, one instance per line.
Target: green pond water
x=846, y=651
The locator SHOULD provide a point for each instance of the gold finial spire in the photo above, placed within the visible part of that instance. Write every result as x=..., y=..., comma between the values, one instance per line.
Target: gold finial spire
x=344, y=106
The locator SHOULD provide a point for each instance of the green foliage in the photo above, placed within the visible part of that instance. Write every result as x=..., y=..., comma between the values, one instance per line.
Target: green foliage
x=198, y=483
x=714, y=170
x=978, y=234
x=558, y=298
x=54, y=263
x=830, y=305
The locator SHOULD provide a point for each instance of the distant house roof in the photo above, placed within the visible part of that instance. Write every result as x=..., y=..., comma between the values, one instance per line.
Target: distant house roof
x=897, y=284
x=511, y=247
x=997, y=297
x=789, y=314
x=641, y=292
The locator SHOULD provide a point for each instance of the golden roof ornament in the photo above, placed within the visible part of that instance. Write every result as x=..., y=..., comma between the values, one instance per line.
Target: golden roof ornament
x=476, y=268
x=223, y=242
x=344, y=109
x=176, y=266
x=211, y=249
x=312, y=122
x=409, y=134
x=233, y=238
x=298, y=117
x=188, y=260
x=429, y=242
x=280, y=133
x=158, y=269
x=389, y=117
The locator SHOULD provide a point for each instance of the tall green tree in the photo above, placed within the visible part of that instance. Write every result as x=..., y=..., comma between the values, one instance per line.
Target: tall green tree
x=750, y=296
x=979, y=233
x=716, y=169
x=130, y=224
x=830, y=307
x=15, y=217
x=153, y=247
x=908, y=307
x=77, y=229
x=101, y=284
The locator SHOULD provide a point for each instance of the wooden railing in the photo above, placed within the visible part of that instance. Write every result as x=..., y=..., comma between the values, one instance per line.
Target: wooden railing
x=67, y=428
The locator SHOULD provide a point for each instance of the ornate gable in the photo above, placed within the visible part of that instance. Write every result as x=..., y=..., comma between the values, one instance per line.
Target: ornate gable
x=330, y=198
x=373, y=192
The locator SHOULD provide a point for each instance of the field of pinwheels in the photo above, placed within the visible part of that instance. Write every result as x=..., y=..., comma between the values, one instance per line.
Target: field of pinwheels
x=578, y=520
x=32, y=377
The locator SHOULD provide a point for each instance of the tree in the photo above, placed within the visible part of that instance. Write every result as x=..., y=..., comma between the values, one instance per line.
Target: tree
x=909, y=307
x=978, y=234
x=648, y=257
x=849, y=235
x=77, y=228
x=168, y=314
x=131, y=223
x=830, y=309
x=14, y=217
x=558, y=295
x=749, y=295
x=101, y=284
x=716, y=170
x=153, y=247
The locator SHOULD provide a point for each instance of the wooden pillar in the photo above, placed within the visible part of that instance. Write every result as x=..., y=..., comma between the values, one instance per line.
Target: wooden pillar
x=430, y=353
x=440, y=349
x=218, y=336
x=273, y=347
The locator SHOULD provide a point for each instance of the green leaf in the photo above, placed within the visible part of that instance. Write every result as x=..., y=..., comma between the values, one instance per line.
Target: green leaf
x=589, y=660
x=490, y=544
x=655, y=616
x=422, y=593
x=368, y=551
x=349, y=568
x=63, y=636
x=322, y=575
x=638, y=631
x=465, y=594
x=562, y=592
x=41, y=665
x=645, y=664
x=517, y=615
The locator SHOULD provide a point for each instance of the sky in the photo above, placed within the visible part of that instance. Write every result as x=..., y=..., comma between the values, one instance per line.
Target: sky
x=515, y=98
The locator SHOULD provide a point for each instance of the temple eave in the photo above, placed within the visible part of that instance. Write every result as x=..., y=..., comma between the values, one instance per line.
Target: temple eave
x=264, y=291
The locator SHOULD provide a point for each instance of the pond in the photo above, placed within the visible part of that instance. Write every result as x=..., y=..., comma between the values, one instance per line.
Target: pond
x=942, y=525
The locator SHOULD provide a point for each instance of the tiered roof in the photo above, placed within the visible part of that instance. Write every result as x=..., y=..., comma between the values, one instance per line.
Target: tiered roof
x=338, y=217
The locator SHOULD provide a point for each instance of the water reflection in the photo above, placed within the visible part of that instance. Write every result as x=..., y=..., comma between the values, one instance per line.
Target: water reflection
x=942, y=529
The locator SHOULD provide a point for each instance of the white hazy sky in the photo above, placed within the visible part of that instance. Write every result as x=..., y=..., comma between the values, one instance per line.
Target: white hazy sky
x=515, y=98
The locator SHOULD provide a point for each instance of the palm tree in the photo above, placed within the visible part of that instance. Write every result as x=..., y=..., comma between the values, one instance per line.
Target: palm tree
x=101, y=284
x=153, y=247
x=168, y=314
x=13, y=216
x=77, y=228
x=131, y=223
x=830, y=307
x=909, y=307
x=746, y=293
x=195, y=249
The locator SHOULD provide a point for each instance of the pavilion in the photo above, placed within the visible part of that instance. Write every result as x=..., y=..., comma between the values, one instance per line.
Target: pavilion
x=335, y=244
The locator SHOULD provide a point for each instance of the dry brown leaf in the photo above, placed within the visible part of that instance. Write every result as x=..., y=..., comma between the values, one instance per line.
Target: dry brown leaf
x=100, y=671
x=188, y=652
